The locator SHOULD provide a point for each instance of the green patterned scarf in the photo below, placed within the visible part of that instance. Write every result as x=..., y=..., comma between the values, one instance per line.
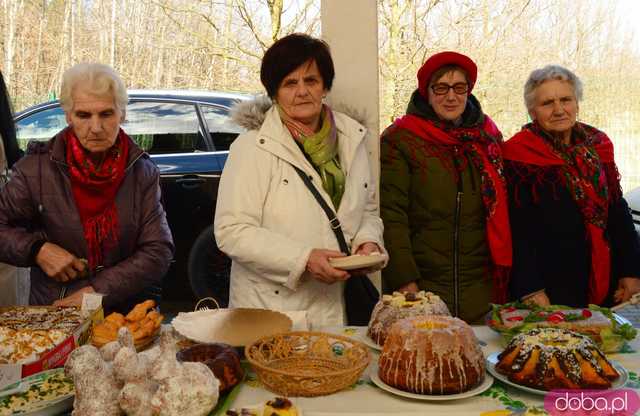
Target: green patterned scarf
x=322, y=149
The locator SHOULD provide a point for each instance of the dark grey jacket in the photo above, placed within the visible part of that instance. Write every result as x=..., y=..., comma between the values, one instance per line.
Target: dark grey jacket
x=37, y=203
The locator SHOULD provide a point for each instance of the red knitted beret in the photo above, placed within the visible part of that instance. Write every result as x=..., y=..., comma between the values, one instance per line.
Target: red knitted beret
x=441, y=59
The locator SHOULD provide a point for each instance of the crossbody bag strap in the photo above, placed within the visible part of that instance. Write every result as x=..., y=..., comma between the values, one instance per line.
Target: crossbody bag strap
x=333, y=218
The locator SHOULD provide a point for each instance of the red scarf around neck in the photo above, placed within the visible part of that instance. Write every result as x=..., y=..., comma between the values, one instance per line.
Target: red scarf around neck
x=482, y=145
x=94, y=188
x=588, y=171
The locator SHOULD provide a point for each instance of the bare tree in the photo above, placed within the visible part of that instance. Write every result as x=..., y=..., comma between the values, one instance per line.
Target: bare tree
x=11, y=12
x=218, y=45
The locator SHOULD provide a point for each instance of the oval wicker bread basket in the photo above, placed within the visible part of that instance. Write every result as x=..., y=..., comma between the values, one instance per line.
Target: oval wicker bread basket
x=307, y=363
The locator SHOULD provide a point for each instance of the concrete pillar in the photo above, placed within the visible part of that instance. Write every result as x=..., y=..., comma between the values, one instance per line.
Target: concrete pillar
x=351, y=29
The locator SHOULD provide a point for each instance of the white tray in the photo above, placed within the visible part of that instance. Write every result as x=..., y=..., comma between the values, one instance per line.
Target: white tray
x=52, y=407
x=234, y=326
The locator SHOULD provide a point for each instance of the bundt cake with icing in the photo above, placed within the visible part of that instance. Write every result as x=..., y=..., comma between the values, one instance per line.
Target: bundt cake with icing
x=556, y=358
x=431, y=355
x=402, y=305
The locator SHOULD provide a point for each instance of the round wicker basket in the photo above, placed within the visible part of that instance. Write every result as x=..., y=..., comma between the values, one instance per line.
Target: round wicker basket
x=307, y=363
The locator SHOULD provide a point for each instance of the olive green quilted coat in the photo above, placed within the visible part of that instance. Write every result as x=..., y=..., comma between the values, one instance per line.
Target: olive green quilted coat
x=434, y=225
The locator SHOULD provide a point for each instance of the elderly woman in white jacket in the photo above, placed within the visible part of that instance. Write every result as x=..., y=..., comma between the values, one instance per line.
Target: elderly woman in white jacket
x=267, y=220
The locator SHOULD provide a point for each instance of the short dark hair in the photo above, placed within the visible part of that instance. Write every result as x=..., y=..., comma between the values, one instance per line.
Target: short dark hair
x=438, y=73
x=288, y=53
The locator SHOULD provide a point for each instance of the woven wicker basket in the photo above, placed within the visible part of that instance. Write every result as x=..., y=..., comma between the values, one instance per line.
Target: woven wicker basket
x=307, y=363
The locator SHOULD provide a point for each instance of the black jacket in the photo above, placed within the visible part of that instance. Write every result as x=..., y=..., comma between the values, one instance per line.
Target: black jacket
x=550, y=247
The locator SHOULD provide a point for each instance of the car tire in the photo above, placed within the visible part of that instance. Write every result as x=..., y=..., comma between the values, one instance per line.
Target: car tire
x=209, y=269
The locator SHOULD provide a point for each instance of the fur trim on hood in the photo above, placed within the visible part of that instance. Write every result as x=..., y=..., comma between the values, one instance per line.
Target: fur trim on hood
x=251, y=114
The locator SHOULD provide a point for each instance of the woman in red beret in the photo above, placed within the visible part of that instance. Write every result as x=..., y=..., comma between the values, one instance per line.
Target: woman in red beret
x=443, y=195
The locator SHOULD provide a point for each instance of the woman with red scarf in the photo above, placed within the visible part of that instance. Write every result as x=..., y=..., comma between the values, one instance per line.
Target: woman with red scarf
x=443, y=198
x=573, y=238
x=83, y=209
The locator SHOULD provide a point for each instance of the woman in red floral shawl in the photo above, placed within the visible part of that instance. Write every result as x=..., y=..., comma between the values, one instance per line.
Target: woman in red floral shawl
x=83, y=209
x=573, y=238
x=443, y=198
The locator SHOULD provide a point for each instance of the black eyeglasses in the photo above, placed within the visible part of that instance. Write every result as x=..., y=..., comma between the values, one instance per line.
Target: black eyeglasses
x=442, y=89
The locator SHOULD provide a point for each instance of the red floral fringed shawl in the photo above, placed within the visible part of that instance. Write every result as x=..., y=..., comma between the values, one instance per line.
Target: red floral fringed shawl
x=482, y=145
x=588, y=170
x=94, y=189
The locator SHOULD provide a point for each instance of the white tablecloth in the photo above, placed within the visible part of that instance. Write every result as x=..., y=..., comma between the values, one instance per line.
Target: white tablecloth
x=367, y=399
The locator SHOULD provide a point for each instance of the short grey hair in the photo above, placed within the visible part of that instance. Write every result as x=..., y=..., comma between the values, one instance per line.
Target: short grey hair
x=102, y=81
x=550, y=72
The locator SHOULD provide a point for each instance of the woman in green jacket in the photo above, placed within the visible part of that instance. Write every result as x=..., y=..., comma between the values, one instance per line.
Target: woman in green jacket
x=443, y=195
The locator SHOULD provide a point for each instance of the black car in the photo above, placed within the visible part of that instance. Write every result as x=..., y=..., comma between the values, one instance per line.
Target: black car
x=187, y=134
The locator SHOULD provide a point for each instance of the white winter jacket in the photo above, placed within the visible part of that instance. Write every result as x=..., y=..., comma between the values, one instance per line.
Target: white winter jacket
x=267, y=221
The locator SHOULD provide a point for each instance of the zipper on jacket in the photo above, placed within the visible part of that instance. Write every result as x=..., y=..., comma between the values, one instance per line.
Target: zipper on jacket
x=456, y=237
x=130, y=165
x=456, y=255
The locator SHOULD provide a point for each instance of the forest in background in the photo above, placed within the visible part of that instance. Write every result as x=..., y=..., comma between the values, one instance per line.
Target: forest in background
x=218, y=44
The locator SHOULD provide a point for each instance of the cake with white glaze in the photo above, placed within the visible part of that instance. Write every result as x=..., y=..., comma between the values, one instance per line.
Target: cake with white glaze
x=399, y=306
x=431, y=355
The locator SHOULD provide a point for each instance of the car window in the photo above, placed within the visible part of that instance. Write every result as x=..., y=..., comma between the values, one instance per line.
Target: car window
x=155, y=126
x=222, y=129
x=40, y=126
x=159, y=127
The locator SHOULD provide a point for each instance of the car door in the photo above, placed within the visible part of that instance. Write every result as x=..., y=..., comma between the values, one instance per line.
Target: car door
x=173, y=134
x=208, y=268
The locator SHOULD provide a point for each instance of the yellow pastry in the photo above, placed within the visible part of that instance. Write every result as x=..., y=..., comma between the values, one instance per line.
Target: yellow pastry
x=280, y=406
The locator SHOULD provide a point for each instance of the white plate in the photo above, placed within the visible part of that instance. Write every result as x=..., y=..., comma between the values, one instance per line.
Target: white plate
x=361, y=335
x=492, y=360
x=357, y=261
x=484, y=385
